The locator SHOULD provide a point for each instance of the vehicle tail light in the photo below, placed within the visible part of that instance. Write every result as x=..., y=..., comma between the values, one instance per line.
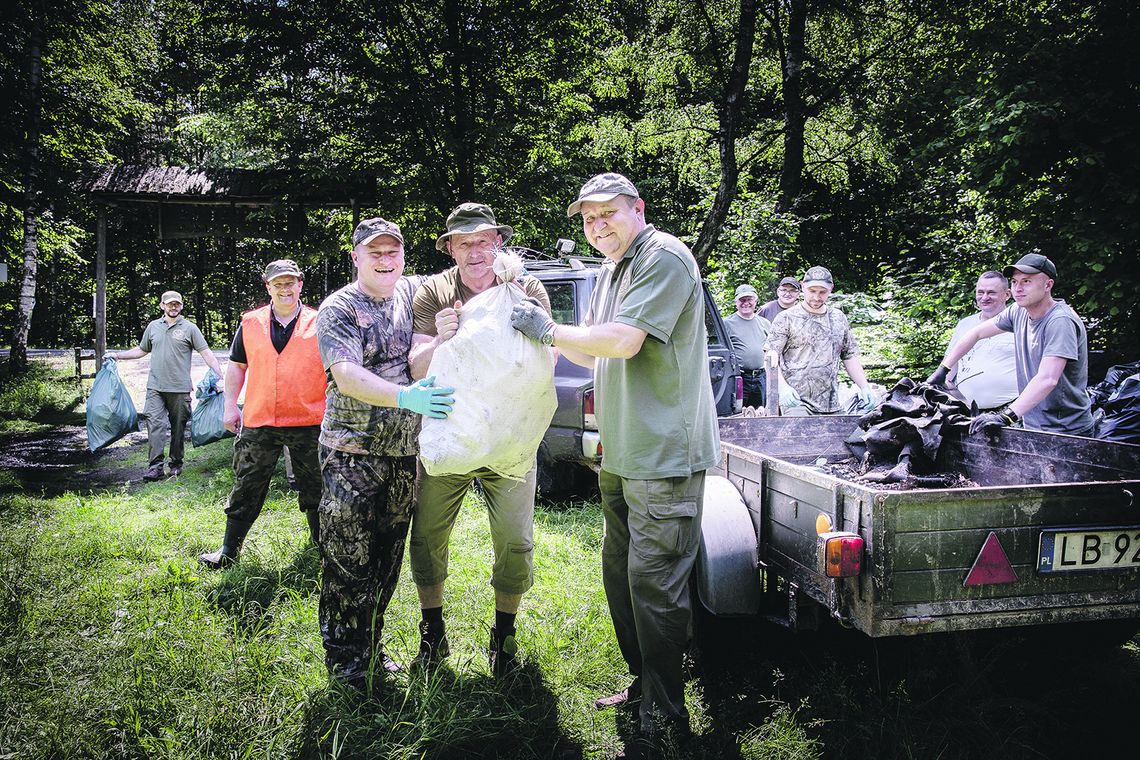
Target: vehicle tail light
x=842, y=554
x=589, y=420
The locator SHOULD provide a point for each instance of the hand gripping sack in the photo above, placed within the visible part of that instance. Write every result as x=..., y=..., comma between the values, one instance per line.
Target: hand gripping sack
x=504, y=388
x=110, y=411
x=207, y=420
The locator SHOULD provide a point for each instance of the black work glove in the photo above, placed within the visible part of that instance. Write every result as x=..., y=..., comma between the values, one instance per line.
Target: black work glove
x=938, y=377
x=991, y=422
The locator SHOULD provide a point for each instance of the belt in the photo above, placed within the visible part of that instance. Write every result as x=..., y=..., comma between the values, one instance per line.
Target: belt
x=751, y=372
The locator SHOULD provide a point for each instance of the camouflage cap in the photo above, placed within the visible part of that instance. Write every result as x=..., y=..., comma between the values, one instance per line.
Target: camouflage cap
x=171, y=295
x=603, y=187
x=281, y=267
x=469, y=218
x=369, y=229
x=818, y=276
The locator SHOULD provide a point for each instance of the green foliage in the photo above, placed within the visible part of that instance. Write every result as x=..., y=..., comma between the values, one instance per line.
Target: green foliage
x=41, y=392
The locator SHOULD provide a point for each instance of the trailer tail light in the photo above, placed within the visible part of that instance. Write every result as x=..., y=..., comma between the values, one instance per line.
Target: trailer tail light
x=842, y=554
x=589, y=419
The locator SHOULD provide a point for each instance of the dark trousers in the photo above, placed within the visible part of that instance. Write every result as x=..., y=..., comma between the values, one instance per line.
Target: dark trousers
x=653, y=528
x=755, y=392
x=256, y=452
x=166, y=415
x=365, y=510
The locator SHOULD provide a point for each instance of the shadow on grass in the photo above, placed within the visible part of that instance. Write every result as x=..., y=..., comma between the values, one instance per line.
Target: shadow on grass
x=1006, y=693
x=440, y=714
x=247, y=590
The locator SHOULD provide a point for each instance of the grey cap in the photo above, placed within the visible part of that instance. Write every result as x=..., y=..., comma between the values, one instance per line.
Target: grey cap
x=370, y=229
x=1032, y=263
x=746, y=290
x=171, y=295
x=603, y=187
x=818, y=276
x=469, y=218
x=281, y=267
x=790, y=281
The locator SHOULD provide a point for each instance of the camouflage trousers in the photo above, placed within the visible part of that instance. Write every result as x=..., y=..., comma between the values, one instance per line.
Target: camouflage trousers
x=256, y=452
x=365, y=512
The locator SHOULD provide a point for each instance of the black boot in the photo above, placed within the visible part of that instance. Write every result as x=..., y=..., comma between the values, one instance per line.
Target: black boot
x=314, y=519
x=503, y=653
x=236, y=531
x=433, y=645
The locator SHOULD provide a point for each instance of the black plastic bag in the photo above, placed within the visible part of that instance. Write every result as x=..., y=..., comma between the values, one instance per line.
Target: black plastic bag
x=1121, y=420
x=110, y=412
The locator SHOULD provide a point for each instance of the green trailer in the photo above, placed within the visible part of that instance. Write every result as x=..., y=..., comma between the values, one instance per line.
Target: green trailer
x=1051, y=533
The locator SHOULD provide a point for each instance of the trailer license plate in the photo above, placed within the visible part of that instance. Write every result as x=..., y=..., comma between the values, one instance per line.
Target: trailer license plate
x=1113, y=548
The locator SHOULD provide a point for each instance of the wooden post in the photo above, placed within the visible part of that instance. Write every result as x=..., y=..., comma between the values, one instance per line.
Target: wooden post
x=101, y=287
x=772, y=370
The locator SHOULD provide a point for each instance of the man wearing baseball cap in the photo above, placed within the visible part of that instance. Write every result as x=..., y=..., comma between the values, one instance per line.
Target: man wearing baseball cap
x=368, y=448
x=170, y=340
x=810, y=340
x=644, y=337
x=747, y=331
x=787, y=293
x=472, y=238
x=274, y=357
x=1050, y=355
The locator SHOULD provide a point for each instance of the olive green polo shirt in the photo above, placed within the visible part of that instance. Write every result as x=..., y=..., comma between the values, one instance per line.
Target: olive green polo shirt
x=171, y=348
x=656, y=415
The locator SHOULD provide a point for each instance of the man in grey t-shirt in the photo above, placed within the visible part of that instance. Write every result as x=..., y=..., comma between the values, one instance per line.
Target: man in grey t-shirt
x=170, y=341
x=1050, y=351
x=747, y=332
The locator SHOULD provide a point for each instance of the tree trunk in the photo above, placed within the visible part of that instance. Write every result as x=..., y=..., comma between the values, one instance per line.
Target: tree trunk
x=461, y=88
x=728, y=111
x=791, y=174
x=18, y=360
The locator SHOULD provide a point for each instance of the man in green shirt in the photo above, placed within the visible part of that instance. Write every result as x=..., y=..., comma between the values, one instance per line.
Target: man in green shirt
x=645, y=339
x=170, y=341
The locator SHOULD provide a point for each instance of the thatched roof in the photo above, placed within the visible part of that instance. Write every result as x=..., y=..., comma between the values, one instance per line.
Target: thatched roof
x=243, y=187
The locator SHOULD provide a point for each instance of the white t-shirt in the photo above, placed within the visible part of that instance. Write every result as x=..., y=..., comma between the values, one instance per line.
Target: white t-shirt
x=987, y=374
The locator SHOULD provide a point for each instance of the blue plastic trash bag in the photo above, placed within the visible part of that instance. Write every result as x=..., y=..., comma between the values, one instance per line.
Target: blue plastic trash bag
x=110, y=412
x=207, y=420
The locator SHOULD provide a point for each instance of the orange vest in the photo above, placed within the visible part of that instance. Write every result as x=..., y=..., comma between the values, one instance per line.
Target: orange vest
x=284, y=389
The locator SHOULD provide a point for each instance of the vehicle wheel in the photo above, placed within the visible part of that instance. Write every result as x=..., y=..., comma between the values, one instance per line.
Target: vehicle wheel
x=564, y=482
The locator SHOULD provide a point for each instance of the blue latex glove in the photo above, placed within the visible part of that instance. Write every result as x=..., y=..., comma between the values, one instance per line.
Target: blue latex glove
x=868, y=397
x=789, y=397
x=529, y=318
x=423, y=397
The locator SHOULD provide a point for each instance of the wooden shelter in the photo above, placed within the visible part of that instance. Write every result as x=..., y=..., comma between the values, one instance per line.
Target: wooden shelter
x=182, y=202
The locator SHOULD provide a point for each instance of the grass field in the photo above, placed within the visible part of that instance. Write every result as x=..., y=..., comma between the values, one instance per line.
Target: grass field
x=115, y=643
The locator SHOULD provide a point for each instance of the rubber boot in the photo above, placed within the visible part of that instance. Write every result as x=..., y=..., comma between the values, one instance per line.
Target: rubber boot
x=236, y=531
x=314, y=519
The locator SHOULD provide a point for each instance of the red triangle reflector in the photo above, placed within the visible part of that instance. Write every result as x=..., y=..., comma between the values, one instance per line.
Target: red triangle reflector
x=992, y=566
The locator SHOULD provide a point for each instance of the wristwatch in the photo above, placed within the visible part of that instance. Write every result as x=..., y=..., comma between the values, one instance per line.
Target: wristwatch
x=548, y=339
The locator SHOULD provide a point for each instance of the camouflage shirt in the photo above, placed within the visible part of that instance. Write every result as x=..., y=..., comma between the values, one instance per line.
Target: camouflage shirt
x=375, y=334
x=810, y=347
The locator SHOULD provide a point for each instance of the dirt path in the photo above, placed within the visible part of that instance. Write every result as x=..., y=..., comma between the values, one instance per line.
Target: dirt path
x=57, y=460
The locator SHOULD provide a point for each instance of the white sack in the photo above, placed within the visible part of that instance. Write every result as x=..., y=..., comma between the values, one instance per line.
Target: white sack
x=504, y=388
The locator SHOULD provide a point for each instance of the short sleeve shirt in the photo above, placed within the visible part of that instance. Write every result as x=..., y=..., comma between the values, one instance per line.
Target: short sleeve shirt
x=770, y=310
x=171, y=346
x=986, y=374
x=656, y=415
x=1061, y=333
x=442, y=290
x=374, y=333
x=747, y=337
x=810, y=347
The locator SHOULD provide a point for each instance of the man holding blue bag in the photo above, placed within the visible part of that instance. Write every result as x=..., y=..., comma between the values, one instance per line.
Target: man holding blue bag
x=275, y=357
x=170, y=341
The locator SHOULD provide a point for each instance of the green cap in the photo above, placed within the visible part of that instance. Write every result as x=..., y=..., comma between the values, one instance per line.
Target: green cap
x=281, y=267
x=469, y=218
